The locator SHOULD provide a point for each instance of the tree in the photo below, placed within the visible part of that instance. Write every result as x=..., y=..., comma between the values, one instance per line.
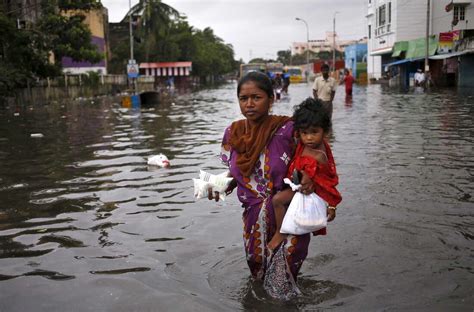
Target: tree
x=26, y=53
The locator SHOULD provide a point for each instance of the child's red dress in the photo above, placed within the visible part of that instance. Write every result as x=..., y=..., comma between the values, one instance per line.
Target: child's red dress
x=324, y=176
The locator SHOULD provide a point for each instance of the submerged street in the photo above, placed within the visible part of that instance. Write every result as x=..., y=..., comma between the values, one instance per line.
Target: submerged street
x=83, y=217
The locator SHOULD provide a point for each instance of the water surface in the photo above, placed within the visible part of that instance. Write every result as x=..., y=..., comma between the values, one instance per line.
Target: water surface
x=85, y=224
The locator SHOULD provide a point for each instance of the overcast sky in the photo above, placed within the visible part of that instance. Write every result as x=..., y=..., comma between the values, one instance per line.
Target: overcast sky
x=260, y=28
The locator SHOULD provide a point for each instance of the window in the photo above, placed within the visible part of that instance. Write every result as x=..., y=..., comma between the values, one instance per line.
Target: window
x=382, y=15
x=370, y=30
x=459, y=13
x=389, y=12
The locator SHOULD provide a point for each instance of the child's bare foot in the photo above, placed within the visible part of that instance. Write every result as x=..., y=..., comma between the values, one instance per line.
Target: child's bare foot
x=276, y=240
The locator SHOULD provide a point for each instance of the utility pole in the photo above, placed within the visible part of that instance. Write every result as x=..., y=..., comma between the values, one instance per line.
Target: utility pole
x=307, y=41
x=334, y=43
x=427, y=39
x=130, y=28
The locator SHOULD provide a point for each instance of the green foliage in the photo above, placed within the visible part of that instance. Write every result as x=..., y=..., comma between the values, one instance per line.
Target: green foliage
x=91, y=79
x=25, y=53
x=85, y=5
x=284, y=57
x=164, y=35
x=23, y=56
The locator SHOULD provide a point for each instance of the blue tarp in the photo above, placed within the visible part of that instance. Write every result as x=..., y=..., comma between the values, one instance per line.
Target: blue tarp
x=404, y=61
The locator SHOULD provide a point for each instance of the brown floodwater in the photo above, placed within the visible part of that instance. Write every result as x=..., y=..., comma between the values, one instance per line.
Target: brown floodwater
x=87, y=225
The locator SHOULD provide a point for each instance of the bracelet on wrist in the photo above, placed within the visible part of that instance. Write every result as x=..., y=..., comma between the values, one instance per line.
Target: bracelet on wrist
x=332, y=208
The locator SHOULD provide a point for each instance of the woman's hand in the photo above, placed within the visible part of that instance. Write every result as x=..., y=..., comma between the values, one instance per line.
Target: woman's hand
x=331, y=213
x=232, y=186
x=212, y=195
x=307, y=185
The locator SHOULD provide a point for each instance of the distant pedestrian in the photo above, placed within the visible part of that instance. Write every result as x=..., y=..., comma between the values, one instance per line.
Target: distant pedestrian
x=419, y=78
x=348, y=81
x=324, y=89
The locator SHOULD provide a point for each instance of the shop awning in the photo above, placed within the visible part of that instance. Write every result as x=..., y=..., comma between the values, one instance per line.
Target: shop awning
x=449, y=55
x=399, y=47
x=400, y=62
x=417, y=47
x=381, y=51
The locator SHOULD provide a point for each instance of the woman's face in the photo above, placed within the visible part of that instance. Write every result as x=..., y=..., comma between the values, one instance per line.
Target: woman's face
x=254, y=102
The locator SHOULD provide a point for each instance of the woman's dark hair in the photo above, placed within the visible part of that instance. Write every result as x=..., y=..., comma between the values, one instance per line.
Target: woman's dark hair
x=260, y=79
x=311, y=113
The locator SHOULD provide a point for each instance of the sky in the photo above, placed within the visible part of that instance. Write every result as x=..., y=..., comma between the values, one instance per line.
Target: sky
x=260, y=28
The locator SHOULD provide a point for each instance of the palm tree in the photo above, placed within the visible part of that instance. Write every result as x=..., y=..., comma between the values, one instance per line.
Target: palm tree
x=153, y=19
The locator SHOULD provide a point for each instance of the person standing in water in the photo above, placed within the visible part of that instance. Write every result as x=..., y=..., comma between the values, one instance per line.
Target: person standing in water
x=324, y=89
x=257, y=151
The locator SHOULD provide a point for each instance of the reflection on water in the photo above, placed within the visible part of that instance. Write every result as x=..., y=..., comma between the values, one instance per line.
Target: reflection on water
x=83, y=215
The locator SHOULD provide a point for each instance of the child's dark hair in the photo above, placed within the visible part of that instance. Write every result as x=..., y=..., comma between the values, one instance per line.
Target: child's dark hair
x=311, y=113
x=260, y=79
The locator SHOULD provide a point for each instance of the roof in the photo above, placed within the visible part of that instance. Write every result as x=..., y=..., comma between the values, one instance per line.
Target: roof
x=399, y=62
x=166, y=64
x=417, y=47
x=399, y=47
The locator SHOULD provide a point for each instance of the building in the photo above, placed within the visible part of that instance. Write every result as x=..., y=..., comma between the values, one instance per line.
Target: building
x=97, y=21
x=453, y=24
x=389, y=21
x=26, y=12
x=323, y=45
x=397, y=40
x=355, y=57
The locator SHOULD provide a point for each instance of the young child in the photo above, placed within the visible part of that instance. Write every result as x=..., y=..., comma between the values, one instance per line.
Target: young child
x=313, y=157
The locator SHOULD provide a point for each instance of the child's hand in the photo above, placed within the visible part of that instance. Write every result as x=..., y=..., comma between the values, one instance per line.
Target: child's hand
x=331, y=213
x=307, y=185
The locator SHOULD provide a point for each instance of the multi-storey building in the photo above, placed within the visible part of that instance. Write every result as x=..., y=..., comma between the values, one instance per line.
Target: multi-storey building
x=389, y=21
x=323, y=45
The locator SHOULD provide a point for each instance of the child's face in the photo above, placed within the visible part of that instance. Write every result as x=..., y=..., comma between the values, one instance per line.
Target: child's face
x=312, y=137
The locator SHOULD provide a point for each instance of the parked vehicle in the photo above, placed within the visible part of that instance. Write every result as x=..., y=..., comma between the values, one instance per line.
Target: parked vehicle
x=296, y=74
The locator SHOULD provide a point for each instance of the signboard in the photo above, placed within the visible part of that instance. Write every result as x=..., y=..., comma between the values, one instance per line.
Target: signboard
x=132, y=70
x=445, y=44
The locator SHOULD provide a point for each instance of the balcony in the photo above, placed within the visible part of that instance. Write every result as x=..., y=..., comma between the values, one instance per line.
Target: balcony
x=462, y=1
x=383, y=30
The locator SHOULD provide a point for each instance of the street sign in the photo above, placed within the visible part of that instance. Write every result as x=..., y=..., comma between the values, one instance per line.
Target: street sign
x=132, y=70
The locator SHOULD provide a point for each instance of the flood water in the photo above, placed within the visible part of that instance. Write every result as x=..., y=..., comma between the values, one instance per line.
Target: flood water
x=86, y=225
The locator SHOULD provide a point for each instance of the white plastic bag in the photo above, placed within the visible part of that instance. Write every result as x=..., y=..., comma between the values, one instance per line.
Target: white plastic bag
x=218, y=183
x=306, y=214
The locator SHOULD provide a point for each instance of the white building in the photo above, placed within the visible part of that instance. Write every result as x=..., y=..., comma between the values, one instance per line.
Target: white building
x=389, y=21
x=323, y=45
x=447, y=17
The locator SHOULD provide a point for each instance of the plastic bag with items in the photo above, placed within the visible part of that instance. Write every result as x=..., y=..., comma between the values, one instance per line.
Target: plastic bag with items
x=306, y=213
x=218, y=183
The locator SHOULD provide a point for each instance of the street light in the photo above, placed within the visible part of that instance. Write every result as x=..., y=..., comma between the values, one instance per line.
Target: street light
x=307, y=39
x=334, y=42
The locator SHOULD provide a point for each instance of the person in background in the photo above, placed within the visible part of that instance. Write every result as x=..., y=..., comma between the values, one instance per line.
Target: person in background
x=348, y=80
x=324, y=89
x=257, y=151
x=286, y=81
x=419, y=78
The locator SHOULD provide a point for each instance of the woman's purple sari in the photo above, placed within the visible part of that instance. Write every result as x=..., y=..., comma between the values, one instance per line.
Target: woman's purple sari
x=255, y=194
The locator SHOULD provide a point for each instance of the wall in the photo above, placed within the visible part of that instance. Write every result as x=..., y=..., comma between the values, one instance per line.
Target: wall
x=441, y=20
